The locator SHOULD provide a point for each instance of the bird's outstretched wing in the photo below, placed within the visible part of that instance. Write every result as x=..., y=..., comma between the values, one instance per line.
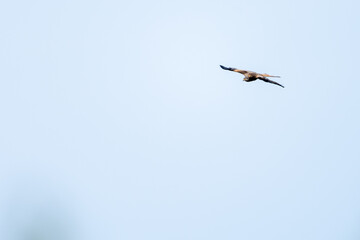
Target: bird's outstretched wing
x=234, y=69
x=270, y=81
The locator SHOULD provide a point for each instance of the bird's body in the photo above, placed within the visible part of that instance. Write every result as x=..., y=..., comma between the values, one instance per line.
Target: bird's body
x=252, y=76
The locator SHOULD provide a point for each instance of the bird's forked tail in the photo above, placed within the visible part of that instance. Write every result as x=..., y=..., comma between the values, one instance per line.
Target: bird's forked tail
x=267, y=75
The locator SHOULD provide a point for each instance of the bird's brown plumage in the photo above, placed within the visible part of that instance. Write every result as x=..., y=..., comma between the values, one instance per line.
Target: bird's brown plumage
x=252, y=76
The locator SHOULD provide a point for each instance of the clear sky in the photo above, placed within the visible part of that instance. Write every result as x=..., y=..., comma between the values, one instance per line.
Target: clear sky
x=118, y=123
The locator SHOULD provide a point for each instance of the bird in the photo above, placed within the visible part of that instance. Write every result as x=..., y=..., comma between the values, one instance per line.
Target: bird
x=252, y=76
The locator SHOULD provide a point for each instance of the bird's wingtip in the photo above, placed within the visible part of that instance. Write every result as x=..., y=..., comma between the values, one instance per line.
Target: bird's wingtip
x=223, y=67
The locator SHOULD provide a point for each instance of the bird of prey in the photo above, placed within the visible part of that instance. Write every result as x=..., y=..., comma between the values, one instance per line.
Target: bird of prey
x=252, y=76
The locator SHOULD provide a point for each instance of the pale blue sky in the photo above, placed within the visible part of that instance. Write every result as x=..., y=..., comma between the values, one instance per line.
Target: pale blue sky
x=117, y=122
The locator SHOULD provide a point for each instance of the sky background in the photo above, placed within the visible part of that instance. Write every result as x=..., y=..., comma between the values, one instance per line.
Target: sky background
x=118, y=123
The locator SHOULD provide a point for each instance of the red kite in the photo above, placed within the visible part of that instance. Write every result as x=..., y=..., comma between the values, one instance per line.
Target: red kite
x=252, y=76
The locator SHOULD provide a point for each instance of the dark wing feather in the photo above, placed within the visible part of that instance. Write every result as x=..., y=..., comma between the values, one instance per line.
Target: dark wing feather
x=234, y=69
x=270, y=81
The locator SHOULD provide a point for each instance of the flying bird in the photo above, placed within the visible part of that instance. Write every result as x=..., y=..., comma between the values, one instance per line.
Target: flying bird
x=252, y=76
